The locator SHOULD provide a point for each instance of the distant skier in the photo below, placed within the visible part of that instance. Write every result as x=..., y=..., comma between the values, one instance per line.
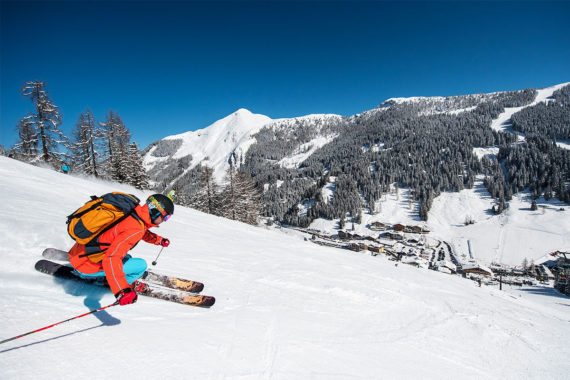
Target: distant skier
x=107, y=256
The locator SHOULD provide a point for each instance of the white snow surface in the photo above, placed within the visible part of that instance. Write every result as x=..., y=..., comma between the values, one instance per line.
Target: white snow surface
x=491, y=151
x=286, y=308
x=234, y=134
x=304, y=151
x=503, y=121
x=214, y=143
x=507, y=238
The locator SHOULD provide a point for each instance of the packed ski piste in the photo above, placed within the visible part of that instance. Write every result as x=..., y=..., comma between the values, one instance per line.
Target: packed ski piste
x=285, y=308
x=105, y=229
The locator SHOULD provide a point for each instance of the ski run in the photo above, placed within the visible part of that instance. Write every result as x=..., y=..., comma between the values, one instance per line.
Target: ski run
x=285, y=308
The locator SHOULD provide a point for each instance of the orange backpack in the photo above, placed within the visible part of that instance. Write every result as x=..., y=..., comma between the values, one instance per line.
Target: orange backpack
x=99, y=215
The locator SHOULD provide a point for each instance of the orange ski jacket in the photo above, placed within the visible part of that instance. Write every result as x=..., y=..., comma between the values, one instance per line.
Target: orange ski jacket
x=116, y=243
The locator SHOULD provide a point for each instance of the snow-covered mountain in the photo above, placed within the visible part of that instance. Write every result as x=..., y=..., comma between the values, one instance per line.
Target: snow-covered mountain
x=286, y=308
x=213, y=145
x=445, y=138
x=235, y=133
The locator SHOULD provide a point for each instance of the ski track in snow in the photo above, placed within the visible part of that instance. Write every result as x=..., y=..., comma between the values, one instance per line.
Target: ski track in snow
x=286, y=308
x=503, y=121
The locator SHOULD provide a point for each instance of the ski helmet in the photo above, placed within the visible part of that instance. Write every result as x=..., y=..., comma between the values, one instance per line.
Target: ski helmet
x=160, y=205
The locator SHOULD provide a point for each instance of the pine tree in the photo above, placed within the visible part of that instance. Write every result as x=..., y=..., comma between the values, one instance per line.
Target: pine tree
x=44, y=123
x=117, y=138
x=27, y=147
x=84, y=147
x=136, y=175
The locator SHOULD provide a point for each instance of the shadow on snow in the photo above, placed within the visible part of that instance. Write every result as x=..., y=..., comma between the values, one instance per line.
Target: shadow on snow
x=93, y=295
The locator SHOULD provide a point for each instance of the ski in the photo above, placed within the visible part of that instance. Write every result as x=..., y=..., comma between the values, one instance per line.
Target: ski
x=55, y=254
x=149, y=276
x=173, y=282
x=143, y=288
x=174, y=295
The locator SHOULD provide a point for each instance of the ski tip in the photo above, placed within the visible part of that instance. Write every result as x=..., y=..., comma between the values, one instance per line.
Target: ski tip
x=209, y=302
x=201, y=301
x=41, y=263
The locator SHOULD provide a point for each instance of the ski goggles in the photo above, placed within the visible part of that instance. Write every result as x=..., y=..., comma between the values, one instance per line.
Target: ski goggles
x=156, y=210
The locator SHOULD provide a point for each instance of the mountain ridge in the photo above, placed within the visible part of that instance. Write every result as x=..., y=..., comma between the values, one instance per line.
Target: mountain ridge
x=427, y=144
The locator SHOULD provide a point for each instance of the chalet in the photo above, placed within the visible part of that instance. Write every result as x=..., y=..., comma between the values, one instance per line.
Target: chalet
x=347, y=236
x=416, y=229
x=475, y=268
x=391, y=235
x=378, y=226
x=354, y=247
x=398, y=227
x=375, y=249
x=415, y=261
x=446, y=264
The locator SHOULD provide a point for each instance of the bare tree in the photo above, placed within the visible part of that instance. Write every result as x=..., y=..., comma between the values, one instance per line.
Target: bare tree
x=206, y=198
x=27, y=146
x=240, y=198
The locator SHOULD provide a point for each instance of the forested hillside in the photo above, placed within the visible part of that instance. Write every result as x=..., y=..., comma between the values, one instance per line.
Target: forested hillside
x=425, y=144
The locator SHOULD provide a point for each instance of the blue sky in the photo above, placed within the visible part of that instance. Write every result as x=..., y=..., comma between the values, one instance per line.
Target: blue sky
x=170, y=67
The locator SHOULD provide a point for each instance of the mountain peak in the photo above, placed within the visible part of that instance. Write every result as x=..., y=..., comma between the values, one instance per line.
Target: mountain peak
x=243, y=111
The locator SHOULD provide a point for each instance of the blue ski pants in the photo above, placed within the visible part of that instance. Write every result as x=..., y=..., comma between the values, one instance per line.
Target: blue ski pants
x=134, y=268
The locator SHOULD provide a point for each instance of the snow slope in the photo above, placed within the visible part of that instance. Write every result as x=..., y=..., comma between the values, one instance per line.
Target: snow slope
x=235, y=134
x=214, y=143
x=508, y=238
x=503, y=121
x=287, y=309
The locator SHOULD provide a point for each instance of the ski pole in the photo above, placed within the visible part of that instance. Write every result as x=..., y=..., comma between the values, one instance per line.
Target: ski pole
x=59, y=323
x=154, y=262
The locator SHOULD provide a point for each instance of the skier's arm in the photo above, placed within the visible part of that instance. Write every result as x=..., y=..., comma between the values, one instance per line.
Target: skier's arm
x=152, y=238
x=113, y=260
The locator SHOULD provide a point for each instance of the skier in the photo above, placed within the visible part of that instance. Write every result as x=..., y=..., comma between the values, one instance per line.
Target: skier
x=111, y=261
